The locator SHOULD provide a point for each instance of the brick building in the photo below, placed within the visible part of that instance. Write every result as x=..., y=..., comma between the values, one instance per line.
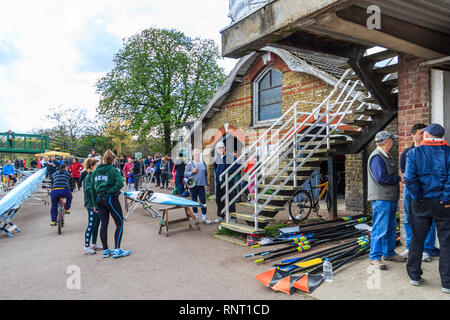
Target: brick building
x=414, y=89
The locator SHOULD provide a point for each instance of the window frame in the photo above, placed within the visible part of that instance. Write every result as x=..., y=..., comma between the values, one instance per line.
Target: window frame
x=256, y=81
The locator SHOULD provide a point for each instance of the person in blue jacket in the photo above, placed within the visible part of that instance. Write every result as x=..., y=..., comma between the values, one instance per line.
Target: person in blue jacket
x=8, y=170
x=427, y=177
x=222, y=163
x=429, y=249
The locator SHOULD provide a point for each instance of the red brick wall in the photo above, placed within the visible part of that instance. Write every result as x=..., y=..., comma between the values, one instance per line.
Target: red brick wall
x=414, y=102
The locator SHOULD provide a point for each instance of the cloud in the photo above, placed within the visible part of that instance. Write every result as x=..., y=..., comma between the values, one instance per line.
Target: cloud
x=53, y=52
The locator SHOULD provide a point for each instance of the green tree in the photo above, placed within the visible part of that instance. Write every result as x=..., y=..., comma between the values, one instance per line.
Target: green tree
x=160, y=78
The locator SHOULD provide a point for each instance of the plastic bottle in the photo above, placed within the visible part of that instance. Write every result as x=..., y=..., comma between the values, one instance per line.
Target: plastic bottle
x=327, y=271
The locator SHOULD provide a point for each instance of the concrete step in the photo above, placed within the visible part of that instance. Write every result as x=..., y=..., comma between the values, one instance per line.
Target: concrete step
x=275, y=187
x=241, y=228
x=332, y=142
x=276, y=198
x=266, y=208
x=249, y=217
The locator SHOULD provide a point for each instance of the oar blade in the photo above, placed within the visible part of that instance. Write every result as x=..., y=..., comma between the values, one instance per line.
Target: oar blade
x=308, y=282
x=271, y=277
x=285, y=285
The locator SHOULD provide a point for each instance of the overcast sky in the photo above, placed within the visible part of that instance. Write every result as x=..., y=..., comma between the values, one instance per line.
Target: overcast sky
x=52, y=52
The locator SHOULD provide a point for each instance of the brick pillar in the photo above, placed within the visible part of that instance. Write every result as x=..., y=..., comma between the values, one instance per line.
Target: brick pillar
x=414, y=105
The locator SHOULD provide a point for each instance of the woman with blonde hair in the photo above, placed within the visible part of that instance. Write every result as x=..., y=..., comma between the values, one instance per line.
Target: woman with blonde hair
x=106, y=184
x=89, y=203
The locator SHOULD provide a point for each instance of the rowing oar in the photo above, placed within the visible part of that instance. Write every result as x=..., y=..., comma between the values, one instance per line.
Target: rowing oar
x=321, y=252
x=322, y=233
x=346, y=218
x=308, y=282
x=291, y=266
x=272, y=276
x=306, y=245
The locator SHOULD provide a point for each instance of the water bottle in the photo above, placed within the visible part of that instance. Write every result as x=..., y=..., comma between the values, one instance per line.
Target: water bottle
x=327, y=271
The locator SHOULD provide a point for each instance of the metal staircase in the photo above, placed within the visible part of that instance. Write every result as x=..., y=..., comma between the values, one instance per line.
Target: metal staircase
x=294, y=146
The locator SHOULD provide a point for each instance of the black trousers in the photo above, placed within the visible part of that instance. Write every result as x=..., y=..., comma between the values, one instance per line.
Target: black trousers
x=198, y=194
x=76, y=182
x=422, y=213
x=110, y=205
x=220, y=192
x=157, y=176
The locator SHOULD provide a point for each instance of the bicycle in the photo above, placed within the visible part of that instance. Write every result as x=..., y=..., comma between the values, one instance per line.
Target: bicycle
x=60, y=216
x=300, y=209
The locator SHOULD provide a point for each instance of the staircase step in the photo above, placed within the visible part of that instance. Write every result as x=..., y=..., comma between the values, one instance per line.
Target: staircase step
x=266, y=208
x=387, y=69
x=332, y=141
x=350, y=133
x=360, y=123
x=276, y=198
x=241, y=228
x=249, y=217
x=367, y=111
x=321, y=150
x=380, y=56
x=370, y=100
x=276, y=186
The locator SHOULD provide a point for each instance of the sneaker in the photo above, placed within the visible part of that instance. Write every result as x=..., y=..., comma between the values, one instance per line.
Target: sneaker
x=96, y=247
x=414, y=282
x=426, y=257
x=87, y=251
x=53, y=223
x=396, y=258
x=445, y=290
x=405, y=253
x=107, y=253
x=219, y=220
x=67, y=211
x=378, y=264
x=117, y=253
x=206, y=221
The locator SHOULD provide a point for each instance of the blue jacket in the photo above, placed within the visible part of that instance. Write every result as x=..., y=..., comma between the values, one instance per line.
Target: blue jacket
x=427, y=173
x=8, y=169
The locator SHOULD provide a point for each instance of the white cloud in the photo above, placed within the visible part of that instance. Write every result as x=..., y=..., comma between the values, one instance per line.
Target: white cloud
x=49, y=52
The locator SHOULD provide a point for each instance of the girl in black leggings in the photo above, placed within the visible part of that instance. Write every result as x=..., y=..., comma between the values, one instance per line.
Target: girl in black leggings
x=107, y=182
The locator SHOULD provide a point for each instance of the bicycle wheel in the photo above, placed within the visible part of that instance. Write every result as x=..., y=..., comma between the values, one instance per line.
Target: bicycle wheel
x=300, y=206
x=60, y=217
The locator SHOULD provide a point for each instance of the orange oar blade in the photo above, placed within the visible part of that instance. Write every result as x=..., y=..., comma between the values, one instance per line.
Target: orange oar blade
x=271, y=277
x=308, y=283
x=285, y=285
x=266, y=277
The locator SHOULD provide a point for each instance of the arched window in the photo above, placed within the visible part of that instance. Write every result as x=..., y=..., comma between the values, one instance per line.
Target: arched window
x=267, y=96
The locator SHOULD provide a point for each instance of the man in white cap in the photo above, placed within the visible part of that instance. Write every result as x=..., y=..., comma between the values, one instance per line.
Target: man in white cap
x=384, y=193
x=222, y=162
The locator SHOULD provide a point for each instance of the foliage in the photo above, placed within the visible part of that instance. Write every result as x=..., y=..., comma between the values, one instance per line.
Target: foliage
x=272, y=231
x=161, y=78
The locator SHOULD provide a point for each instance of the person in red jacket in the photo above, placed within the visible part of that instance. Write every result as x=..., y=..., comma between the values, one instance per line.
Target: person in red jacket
x=75, y=169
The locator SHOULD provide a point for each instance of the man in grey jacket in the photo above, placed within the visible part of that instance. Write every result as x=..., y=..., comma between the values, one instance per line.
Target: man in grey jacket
x=383, y=192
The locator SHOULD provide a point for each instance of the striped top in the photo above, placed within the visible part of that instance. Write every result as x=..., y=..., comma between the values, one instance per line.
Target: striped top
x=61, y=179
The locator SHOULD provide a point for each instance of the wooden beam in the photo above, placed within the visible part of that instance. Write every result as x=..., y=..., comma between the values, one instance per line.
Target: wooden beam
x=335, y=25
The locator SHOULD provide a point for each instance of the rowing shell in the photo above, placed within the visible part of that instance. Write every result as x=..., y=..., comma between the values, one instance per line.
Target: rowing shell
x=167, y=199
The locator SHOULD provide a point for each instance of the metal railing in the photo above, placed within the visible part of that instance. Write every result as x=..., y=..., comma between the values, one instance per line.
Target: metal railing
x=22, y=143
x=292, y=121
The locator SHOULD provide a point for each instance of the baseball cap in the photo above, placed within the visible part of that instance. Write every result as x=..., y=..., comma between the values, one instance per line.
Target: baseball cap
x=220, y=144
x=384, y=135
x=435, y=129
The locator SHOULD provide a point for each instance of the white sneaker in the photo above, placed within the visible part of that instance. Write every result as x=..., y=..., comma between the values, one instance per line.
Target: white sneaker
x=219, y=220
x=405, y=253
x=96, y=247
x=414, y=283
x=88, y=251
x=426, y=257
x=206, y=221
